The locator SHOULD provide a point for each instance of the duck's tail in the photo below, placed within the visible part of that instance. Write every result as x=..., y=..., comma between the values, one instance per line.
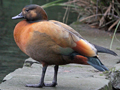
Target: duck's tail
x=93, y=61
x=104, y=50
x=96, y=63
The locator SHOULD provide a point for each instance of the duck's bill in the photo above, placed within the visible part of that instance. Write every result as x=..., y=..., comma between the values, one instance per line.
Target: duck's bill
x=18, y=16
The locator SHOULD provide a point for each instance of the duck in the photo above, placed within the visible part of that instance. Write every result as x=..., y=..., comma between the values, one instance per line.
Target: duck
x=51, y=42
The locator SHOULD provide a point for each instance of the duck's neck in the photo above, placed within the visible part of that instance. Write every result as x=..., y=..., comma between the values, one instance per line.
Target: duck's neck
x=36, y=21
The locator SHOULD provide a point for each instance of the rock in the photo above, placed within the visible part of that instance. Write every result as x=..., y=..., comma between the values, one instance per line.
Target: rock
x=114, y=76
x=70, y=77
x=28, y=62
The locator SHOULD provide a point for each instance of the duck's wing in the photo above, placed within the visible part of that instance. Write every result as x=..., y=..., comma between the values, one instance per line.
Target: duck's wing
x=99, y=48
x=66, y=37
x=66, y=27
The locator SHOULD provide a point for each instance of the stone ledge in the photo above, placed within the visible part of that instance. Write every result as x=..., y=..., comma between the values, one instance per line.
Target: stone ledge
x=70, y=77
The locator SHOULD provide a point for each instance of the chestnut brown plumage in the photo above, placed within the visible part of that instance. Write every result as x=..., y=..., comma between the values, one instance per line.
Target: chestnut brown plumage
x=53, y=43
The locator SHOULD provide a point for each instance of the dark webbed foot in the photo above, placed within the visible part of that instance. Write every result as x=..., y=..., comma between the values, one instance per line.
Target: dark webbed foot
x=35, y=85
x=41, y=85
x=51, y=84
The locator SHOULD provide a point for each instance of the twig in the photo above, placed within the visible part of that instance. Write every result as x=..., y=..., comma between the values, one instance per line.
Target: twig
x=65, y=14
x=113, y=25
x=98, y=15
x=107, y=23
x=105, y=14
x=89, y=17
x=97, y=9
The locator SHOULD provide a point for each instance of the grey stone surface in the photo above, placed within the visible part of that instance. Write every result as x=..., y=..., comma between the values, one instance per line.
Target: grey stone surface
x=70, y=77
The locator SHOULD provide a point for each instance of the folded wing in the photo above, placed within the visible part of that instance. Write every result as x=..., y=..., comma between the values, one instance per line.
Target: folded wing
x=66, y=37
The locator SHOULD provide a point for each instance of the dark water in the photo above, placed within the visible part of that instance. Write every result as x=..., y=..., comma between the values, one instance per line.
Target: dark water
x=11, y=56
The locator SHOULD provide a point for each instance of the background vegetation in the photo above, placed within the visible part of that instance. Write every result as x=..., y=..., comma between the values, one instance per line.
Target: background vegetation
x=98, y=13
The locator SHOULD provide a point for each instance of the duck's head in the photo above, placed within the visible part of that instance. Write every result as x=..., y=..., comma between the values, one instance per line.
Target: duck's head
x=32, y=12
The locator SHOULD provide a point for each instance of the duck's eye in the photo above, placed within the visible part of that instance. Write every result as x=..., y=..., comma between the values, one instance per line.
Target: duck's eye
x=27, y=10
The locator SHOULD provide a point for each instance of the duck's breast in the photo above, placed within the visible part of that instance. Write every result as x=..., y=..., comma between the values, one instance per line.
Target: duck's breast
x=22, y=34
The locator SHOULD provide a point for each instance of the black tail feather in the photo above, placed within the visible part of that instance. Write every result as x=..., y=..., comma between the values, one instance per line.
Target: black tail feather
x=96, y=63
x=104, y=50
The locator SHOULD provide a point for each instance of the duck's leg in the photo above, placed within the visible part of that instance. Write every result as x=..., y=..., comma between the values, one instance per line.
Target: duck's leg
x=41, y=83
x=54, y=82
